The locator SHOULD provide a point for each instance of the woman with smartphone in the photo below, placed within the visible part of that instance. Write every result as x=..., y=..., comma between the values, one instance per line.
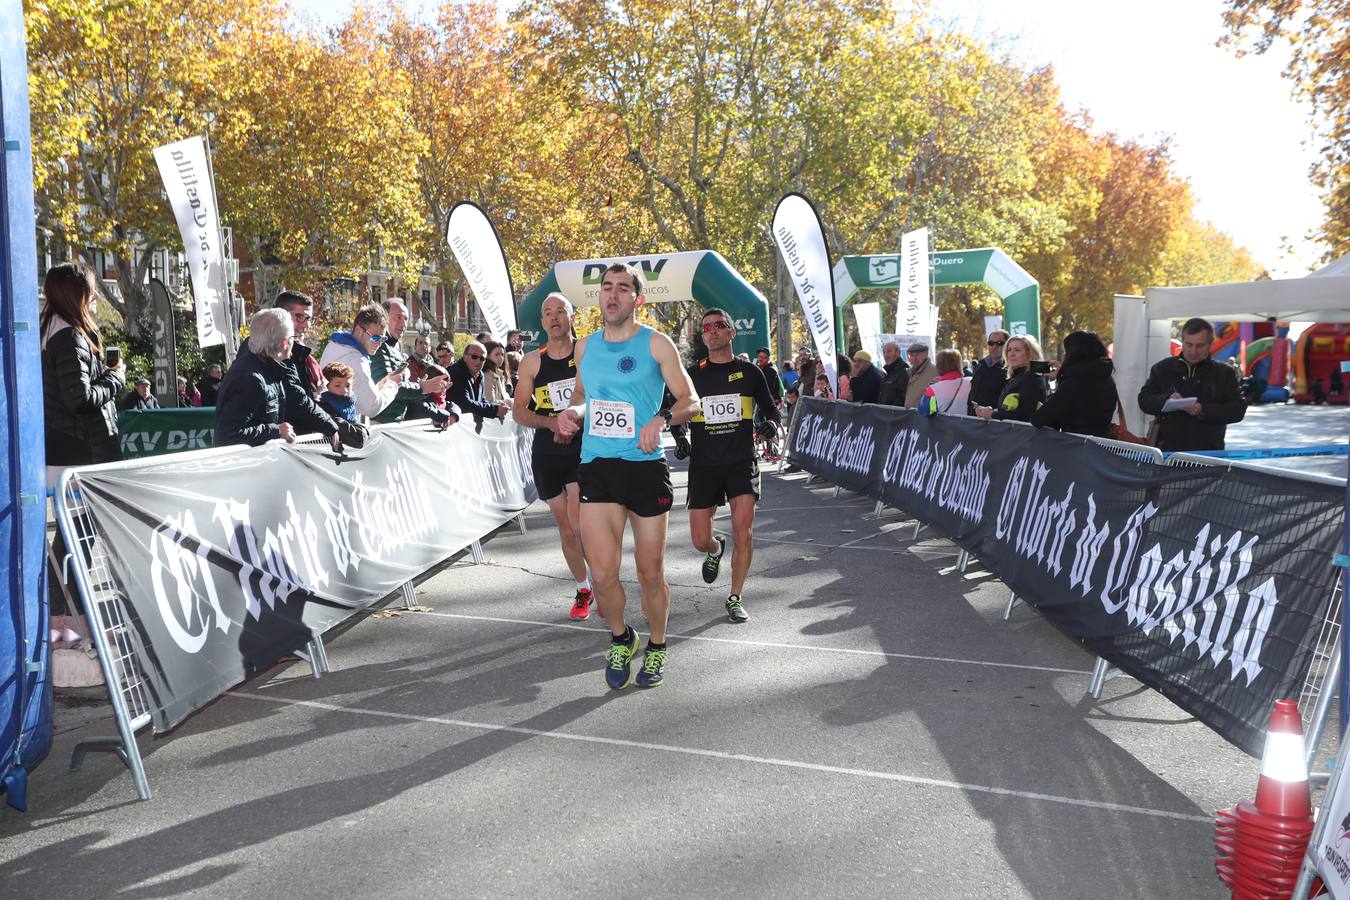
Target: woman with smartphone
x=1026, y=389
x=79, y=390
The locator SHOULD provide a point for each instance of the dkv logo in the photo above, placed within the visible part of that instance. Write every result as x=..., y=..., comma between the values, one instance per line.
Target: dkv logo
x=594, y=273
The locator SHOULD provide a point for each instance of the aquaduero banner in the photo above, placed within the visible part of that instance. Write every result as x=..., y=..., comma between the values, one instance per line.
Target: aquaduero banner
x=476, y=246
x=1208, y=584
x=186, y=170
x=228, y=560
x=801, y=241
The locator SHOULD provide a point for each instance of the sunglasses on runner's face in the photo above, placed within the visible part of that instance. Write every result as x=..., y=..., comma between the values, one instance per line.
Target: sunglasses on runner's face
x=374, y=338
x=475, y=356
x=996, y=343
x=709, y=327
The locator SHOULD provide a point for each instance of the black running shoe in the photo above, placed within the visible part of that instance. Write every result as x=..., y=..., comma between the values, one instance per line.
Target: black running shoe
x=736, y=612
x=712, y=564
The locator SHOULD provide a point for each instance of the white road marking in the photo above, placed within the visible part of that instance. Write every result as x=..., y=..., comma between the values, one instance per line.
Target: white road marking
x=734, y=757
x=777, y=646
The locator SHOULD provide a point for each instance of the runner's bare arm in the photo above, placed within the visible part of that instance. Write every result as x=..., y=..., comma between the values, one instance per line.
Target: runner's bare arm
x=520, y=407
x=686, y=403
x=569, y=420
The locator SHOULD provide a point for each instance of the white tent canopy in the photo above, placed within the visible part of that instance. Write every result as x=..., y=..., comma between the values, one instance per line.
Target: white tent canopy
x=1143, y=325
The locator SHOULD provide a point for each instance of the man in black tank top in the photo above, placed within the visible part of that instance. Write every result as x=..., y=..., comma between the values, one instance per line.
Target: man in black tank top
x=546, y=379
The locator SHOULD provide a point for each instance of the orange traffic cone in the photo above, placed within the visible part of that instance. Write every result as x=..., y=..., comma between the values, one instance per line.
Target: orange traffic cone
x=1283, y=787
x=1261, y=844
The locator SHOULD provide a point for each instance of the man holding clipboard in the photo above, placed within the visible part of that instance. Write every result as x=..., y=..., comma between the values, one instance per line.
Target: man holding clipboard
x=1193, y=398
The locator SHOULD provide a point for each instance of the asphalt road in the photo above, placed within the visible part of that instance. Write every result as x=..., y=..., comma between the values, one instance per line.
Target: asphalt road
x=875, y=728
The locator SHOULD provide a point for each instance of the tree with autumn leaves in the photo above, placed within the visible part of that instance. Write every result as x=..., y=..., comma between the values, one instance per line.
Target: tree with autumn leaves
x=591, y=129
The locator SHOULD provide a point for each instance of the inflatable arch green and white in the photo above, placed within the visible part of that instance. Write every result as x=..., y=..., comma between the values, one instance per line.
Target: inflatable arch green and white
x=1021, y=294
x=699, y=275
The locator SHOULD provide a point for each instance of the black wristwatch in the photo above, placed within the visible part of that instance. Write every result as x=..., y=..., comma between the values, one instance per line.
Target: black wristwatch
x=666, y=414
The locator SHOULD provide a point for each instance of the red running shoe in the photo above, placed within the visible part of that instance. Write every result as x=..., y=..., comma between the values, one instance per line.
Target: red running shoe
x=581, y=608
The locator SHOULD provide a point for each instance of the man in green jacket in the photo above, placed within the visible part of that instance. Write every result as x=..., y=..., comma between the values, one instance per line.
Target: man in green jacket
x=413, y=400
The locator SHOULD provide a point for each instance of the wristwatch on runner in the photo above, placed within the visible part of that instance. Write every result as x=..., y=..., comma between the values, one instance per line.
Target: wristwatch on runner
x=665, y=414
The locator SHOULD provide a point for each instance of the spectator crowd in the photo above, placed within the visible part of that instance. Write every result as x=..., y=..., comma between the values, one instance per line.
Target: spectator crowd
x=279, y=387
x=1191, y=398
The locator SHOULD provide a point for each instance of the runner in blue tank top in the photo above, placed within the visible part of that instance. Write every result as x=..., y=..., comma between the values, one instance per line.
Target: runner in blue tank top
x=623, y=372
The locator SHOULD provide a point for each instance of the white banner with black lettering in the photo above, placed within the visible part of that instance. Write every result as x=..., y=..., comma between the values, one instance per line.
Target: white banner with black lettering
x=227, y=561
x=914, y=314
x=801, y=240
x=186, y=171
x=474, y=241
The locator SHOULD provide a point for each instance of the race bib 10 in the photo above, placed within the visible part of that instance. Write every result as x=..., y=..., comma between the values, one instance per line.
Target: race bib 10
x=610, y=418
x=560, y=393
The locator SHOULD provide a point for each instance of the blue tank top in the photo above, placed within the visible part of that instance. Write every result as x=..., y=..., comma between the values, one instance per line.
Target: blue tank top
x=622, y=372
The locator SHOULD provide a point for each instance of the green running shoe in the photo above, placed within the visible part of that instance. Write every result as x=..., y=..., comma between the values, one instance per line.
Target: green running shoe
x=653, y=670
x=619, y=661
x=712, y=564
x=736, y=612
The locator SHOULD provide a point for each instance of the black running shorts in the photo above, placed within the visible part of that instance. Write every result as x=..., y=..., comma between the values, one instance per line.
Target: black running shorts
x=714, y=485
x=553, y=472
x=642, y=487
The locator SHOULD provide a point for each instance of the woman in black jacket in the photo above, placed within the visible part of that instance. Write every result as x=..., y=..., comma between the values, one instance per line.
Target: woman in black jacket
x=78, y=391
x=1025, y=391
x=1084, y=401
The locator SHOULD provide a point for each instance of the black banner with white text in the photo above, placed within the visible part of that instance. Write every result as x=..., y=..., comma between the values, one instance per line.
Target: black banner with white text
x=226, y=561
x=1208, y=584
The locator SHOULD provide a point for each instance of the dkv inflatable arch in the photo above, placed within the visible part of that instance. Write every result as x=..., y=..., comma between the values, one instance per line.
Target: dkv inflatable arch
x=699, y=275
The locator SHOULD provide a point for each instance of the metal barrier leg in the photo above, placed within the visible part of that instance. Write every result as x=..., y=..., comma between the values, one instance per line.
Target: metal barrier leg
x=962, y=560
x=836, y=492
x=322, y=650
x=1324, y=698
x=918, y=526
x=1101, y=674
x=878, y=509
x=476, y=551
x=520, y=522
x=1012, y=601
x=311, y=656
x=409, y=596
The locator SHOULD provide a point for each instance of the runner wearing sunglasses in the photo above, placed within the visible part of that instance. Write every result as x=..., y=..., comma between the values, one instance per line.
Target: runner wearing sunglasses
x=722, y=464
x=622, y=373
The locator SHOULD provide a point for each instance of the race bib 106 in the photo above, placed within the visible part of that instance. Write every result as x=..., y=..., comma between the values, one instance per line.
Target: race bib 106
x=722, y=409
x=610, y=418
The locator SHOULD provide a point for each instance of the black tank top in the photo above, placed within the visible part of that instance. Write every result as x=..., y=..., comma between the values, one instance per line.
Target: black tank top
x=553, y=388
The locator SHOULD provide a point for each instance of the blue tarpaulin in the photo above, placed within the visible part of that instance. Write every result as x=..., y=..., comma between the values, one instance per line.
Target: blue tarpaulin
x=25, y=659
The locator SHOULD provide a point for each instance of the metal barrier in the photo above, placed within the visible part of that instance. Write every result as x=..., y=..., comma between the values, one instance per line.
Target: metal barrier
x=86, y=560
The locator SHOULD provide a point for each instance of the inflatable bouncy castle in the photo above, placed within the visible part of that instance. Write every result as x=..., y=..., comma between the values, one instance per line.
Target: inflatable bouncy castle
x=1262, y=350
x=1317, y=363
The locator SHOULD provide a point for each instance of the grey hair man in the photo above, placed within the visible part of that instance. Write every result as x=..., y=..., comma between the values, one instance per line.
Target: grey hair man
x=413, y=398
x=261, y=397
x=466, y=384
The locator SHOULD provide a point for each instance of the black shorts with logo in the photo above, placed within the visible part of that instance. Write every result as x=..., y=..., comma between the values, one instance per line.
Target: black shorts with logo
x=553, y=472
x=714, y=485
x=641, y=486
